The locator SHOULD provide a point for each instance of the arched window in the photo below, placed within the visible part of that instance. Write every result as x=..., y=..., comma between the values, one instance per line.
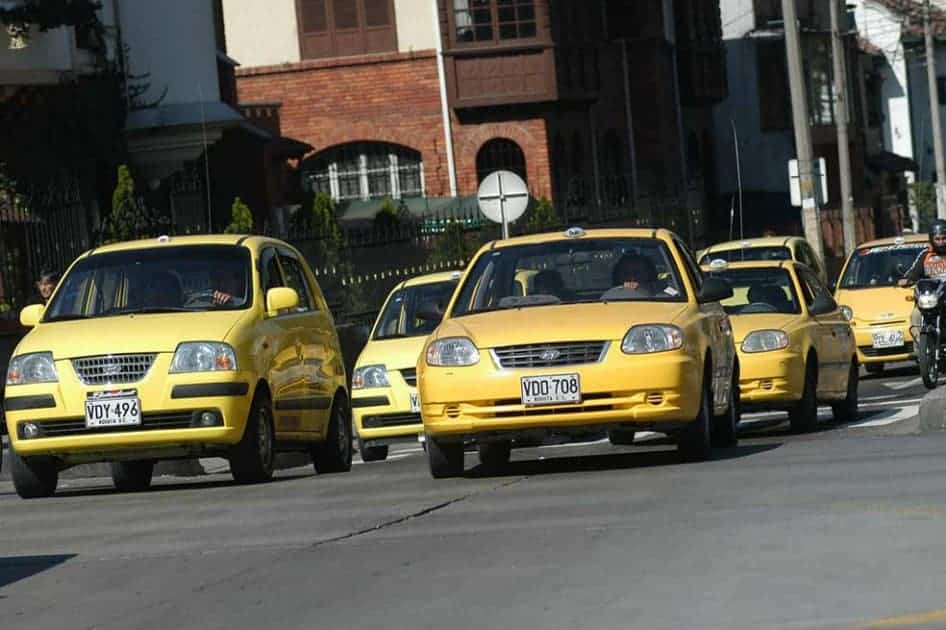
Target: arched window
x=366, y=170
x=500, y=154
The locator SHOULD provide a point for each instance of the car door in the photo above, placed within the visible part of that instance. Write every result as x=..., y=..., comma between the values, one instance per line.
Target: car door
x=314, y=334
x=278, y=348
x=834, y=339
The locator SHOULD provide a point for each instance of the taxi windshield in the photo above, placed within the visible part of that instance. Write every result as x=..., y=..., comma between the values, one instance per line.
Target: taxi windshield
x=880, y=266
x=774, y=252
x=571, y=272
x=155, y=280
x=759, y=291
x=414, y=311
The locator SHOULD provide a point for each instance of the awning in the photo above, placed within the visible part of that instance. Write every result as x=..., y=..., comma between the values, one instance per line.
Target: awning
x=888, y=162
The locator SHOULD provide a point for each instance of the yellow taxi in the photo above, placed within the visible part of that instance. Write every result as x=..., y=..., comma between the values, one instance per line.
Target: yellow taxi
x=384, y=383
x=795, y=348
x=766, y=248
x=178, y=347
x=620, y=331
x=878, y=309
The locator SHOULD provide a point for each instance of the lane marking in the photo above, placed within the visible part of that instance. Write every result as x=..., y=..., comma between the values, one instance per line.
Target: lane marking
x=889, y=417
x=904, y=384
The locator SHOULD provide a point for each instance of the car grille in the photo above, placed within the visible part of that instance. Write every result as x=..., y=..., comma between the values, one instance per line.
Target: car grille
x=390, y=420
x=118, y=369
x=870, y=351
x=149, y=422
x=410, y=376
x=550, y=354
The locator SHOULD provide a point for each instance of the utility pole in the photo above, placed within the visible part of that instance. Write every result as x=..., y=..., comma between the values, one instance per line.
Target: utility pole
x=811, y=222
x=934, y=114
x=840, y=121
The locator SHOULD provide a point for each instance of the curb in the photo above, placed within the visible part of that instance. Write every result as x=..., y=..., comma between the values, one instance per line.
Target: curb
x=933, y=411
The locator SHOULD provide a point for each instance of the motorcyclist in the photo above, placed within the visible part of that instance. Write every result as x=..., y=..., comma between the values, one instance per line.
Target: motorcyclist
x=929, y=264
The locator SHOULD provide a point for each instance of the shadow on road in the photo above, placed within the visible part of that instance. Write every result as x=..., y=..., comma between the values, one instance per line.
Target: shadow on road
x=16, y=568
x=892, y=372
x=160, y=488
x=611, y=461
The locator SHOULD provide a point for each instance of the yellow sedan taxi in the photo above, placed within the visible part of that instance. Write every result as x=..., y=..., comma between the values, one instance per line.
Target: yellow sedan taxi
x=384, y=383
x=178, y=347
x=878, y=309
x=620, y=331
x=766, y=248
x=795, y=348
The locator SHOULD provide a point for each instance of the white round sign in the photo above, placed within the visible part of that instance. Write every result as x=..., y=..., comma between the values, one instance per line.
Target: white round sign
x=503, y=196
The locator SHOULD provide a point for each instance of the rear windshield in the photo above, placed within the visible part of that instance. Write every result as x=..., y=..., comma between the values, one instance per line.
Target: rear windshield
x=775, y=252
x=400, y=316
x=880, y=266
x=155, y=280
x=759, y=291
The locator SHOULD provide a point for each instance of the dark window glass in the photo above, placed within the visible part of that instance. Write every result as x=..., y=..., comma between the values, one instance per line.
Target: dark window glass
x=500, y=154
x=295, y=279
x=399, y=318
x=759, y=291
x=366, y=170
x=313, y=16
x=346, y=14
x=376, y=12
x=880, y=266
x=271, y=275
x=748, y=253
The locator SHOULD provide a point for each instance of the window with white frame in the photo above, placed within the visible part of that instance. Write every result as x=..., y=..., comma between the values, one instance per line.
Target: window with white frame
x=366, y=170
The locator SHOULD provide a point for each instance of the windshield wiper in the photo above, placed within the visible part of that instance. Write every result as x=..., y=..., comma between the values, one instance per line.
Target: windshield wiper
x=150, y=310
x=65, y=317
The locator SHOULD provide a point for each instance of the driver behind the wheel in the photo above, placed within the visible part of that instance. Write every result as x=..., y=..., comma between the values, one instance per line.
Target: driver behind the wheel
x=227, y=287
x=635, y=272
x=771, y=295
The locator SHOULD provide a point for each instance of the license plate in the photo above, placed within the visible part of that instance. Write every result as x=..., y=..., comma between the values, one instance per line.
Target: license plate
x=888, y=338
x=551, y=390
x=415, y=402
x=112, y=411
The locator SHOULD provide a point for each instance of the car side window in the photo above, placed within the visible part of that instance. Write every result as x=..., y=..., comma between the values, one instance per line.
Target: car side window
x=812, y=286
x=693, y=270
x=295, y=279
x=270, y=273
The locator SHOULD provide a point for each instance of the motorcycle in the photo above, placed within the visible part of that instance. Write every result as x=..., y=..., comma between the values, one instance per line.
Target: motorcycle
x=929, y=298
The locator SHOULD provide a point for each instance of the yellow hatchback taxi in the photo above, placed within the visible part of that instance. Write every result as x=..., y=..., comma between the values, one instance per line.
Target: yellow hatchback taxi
x=178, y=347
x=384, y=383
x=795, y=348
x=620, y=332
x=878, y=309
x=766, y=248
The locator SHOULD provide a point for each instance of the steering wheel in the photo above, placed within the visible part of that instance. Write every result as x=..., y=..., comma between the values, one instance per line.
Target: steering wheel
x=200, y=298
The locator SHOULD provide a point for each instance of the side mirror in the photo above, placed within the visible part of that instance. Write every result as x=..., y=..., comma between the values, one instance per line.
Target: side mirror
x=280, y=299
x=822, y=305
x=714, y=290
x=31, y=315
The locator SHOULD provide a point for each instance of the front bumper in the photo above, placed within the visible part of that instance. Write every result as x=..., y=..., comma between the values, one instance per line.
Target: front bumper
x=384, y=414
x=659, y=391
x=771, y=378
x=170, y=404
x=866, y=353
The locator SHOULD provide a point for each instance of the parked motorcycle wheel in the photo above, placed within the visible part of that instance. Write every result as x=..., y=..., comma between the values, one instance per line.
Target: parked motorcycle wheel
x=928, y=358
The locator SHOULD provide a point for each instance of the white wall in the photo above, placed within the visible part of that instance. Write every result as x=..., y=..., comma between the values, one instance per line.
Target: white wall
x=173, y=41
x=415, y=25
x=262, y=33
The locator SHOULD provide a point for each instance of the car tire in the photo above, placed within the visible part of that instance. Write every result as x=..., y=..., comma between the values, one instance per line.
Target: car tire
x=252, y=458
x=372, y=453
x=445, y=458
x=34, y=477
x=874, y=368
x=621, y=437
x=726, y=426
x=803, y=416
x=334, y=454
x=132, y=476
x=695, y=443
x=494, y=455
x=846, y=410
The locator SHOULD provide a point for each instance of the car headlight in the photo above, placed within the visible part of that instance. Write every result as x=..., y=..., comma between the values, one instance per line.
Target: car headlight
x=652, y=338
x=203, y=356
x=927, y=301
x=765, y=341
x=847, y=312
x=35, y=367
x=452, y=352
x=370, y=376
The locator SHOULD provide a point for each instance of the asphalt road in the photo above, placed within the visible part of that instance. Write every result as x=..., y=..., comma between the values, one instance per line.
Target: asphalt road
x=839, y=528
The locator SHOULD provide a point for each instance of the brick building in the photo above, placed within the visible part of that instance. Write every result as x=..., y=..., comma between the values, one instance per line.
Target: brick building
x=421, y=98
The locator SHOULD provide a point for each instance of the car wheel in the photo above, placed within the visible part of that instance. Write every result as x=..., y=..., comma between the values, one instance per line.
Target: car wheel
x=34, y=477
x=928, y=358
x=803, y=417
x=621, y=437
x=494, y=455
x=334, y=454
x=251, y=459
x=695, y=443
x=846, y=410
x=726, y=426
x=372, y=453
x=874, y=368
x=132, y=476
x=445, y=458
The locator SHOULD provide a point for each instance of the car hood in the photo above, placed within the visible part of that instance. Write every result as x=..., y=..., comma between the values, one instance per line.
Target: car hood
x=558, y=323
x=394, y=354
x=158, y=332
x=883, y=304
x=742, y=325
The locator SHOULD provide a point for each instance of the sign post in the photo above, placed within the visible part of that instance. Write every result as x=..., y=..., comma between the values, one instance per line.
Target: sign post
x=503, y=198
